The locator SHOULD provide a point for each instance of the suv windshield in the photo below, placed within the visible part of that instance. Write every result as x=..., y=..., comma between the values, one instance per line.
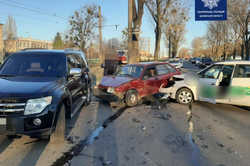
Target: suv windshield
x=130, y=71
x=42, y=65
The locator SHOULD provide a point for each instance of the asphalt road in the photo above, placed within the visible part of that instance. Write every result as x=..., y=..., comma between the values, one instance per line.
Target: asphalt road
x=208, y=135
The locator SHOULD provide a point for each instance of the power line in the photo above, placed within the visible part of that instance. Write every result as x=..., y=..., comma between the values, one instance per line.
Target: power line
x=29, y=9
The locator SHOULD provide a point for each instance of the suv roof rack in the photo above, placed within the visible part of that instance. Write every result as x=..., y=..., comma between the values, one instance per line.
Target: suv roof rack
x=26, y=49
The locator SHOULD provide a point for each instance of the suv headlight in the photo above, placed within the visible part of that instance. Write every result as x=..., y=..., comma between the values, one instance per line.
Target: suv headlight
x=35, y=106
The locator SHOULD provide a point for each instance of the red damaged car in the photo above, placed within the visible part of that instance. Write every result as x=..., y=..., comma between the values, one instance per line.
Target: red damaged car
x=134, y=82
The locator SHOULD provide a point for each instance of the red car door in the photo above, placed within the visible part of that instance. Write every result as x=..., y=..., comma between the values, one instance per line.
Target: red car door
x=151, y=80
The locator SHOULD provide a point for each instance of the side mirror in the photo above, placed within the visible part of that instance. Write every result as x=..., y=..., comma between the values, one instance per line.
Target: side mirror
x=102, y=65
x=75, y=72
x=86, y=70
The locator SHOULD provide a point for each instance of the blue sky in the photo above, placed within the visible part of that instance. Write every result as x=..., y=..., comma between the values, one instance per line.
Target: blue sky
x=42, y=26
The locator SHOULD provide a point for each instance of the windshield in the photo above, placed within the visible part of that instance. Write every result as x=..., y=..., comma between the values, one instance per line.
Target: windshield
x=42, y=65
x=174, y=61
x=130, y=71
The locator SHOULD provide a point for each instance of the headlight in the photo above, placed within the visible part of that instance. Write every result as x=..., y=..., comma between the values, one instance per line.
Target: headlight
x=34, y=106
x=111, y=90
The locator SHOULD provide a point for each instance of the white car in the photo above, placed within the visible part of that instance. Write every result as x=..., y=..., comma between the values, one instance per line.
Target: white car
x=223, y=82
x=177, y=63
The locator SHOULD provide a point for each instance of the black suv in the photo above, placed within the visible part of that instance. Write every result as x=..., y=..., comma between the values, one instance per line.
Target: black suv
x=39, y=89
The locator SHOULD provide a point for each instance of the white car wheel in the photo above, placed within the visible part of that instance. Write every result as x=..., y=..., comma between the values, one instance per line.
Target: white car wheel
x=184, y=96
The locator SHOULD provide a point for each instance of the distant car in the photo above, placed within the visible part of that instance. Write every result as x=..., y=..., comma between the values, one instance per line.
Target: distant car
x=122, y=57
x=134, y=82
x=223, y=82
x=192, y=60
x=177, y=63
x=197, y=61
x=205, y=62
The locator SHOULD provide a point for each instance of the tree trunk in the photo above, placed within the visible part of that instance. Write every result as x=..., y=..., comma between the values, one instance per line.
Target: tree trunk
x=242, y=51
x=157, y=42
x=135, y=50
x=234, y=53
x=247, y=49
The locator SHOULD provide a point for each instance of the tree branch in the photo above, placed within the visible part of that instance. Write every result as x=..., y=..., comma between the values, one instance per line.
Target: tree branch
x=151, y=12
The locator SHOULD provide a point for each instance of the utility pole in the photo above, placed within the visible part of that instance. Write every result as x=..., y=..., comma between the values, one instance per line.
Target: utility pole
x=169, y=47
x=130, y=19
x=247, y=36
x=101, y=57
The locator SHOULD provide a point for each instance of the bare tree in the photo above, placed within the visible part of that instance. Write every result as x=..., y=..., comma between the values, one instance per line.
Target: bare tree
x=218, y=38
x=158, y=10
x=197, y=46
x=82, y=26
x=137, y=13
x=174, y=27
x=238, y=12
x=10, y=29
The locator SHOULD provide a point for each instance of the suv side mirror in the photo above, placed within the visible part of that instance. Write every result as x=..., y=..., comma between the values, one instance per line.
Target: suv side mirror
x=75, y=72
x=102, y=65
x=86, y=70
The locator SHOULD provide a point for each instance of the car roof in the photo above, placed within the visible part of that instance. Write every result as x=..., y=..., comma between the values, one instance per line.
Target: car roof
x=49, y=51
x=234, y=63
x=149, y=63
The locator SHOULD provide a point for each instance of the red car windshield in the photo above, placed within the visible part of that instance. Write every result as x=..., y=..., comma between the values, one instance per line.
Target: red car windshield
x=130, y=71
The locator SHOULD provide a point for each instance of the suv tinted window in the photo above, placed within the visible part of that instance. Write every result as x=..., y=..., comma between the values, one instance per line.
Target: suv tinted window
x=35, y=64
x=242, y=71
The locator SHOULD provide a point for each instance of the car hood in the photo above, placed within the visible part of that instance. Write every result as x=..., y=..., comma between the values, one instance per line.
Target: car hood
x=27, y=86
x=114, y=81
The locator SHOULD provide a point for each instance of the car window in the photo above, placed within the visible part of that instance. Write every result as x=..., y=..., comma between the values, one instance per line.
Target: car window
x=162, y=69
x=212, y=72
x=35, y=65
x=242, y=71
x=149, y=73
x=170, y=68
x=227, y=71
x=72, y=62
x=130, y=71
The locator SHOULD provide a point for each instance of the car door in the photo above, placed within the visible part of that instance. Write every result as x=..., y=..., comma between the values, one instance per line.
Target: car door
x=73, y=81
x=224, y=84
x=149, y=80
x=240, y=86
x=207, y=83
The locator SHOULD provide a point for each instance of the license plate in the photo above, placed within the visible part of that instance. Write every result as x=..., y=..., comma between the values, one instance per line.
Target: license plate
x=2, y=121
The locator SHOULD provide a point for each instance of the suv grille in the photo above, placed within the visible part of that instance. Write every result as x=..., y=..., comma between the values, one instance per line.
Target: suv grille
x=11, y=107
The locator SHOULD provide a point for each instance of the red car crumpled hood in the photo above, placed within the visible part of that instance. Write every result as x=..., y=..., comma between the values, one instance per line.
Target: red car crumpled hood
x=111, y=81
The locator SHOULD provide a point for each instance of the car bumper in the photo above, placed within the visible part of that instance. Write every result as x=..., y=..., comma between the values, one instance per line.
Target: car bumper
x=24, y=125
x=110, y=97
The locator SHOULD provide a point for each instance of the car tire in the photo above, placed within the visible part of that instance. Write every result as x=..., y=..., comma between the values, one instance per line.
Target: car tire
x=131, y=98
x=184, y=96
x=59, y=134
x=88, y=95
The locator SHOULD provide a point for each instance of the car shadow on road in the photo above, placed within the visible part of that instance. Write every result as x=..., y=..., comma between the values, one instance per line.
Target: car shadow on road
x=4, y=143
x=35, y=152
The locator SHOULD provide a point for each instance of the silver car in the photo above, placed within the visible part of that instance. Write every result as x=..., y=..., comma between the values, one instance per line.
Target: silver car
x=223, y=82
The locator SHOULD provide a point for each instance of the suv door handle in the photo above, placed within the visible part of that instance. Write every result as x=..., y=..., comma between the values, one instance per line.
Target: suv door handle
x=212, y=84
